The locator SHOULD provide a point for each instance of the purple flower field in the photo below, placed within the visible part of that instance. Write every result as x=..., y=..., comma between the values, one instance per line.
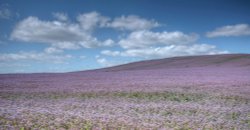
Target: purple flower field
x=183, y=93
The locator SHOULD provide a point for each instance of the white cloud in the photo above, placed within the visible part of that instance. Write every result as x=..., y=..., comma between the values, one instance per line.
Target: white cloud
x=103, y=61
x=5, y=13
x=33, y=56
x=132, y=22
x=230, y=30
x=173, y=50
x=167, y=51
x=51, y=50
x=148, y=44
x=145, y=38
x=89, y=21
x=111, y=53
x=108, y=42
x=61, y=34
x=56, y=33
x=61, y=16
x=64, y=34
x=92, y=20
x=32, y=29
x=4, y=64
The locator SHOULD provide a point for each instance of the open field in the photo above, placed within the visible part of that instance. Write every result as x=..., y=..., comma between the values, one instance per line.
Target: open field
x=203, y=92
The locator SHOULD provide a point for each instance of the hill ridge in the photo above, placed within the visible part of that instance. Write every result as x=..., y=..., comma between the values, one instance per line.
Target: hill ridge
x=229, y=60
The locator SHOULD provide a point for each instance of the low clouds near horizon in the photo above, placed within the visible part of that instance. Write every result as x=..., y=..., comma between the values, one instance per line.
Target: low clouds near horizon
x=230, y=30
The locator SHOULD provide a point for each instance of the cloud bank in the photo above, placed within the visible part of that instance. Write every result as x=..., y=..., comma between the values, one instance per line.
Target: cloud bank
x=230, y=30
x=34, y=56
x=135, y=38
x=56, y=33
x=145, y=38
x=132, y=22
x=148, y=44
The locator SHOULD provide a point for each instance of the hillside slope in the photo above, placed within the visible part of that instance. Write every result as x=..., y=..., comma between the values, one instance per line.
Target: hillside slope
x=225, y=60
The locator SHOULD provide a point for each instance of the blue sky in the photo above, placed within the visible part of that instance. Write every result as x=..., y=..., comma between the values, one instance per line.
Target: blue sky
x=63, y=36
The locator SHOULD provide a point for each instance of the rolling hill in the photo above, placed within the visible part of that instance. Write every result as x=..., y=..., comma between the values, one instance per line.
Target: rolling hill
x=225, y=60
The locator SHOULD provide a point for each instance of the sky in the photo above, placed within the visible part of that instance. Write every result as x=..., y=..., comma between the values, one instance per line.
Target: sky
x=63, y=36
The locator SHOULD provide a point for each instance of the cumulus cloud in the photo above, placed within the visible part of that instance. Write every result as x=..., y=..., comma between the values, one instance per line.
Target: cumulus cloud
x=173, y=50
x=89, y=21
x=33, y=56
x=51, y=50
x=145, y=38
x=108, y=42
x=61, y=16
x=103, y=61
x=59, y=34
x=167, y=51
x=111, y=53
x=132, y=22
x=148, y=44
x=230, y=30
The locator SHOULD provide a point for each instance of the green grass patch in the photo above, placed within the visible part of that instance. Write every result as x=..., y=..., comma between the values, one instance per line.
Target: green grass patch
x=171, y=96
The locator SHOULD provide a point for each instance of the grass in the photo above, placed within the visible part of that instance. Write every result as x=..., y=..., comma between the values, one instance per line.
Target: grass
x=170, y=96
x=74, y=123
x=234, y=99
x=152, y=96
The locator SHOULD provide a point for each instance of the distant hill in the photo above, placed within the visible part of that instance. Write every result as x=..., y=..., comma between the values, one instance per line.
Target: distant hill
x=224, y=60
x=210, y=62
x=227, y=73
